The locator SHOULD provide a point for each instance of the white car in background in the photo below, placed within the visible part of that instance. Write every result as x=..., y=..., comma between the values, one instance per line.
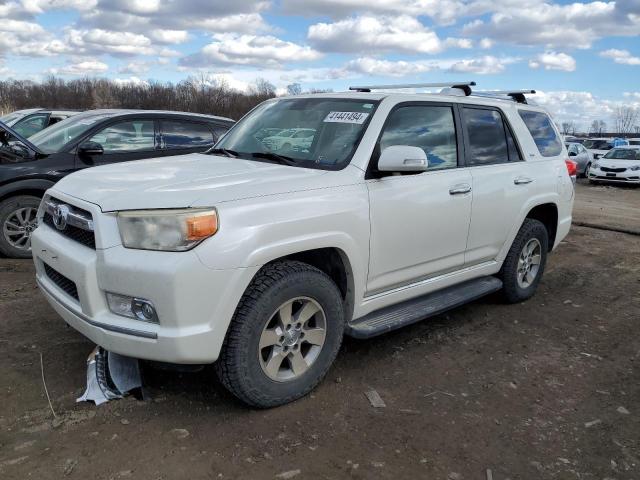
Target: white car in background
x=620, y=164
x=598, y=147
x=296, y=139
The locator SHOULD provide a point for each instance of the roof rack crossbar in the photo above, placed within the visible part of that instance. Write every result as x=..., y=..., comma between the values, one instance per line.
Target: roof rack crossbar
x=465, y=86
x=516, y=95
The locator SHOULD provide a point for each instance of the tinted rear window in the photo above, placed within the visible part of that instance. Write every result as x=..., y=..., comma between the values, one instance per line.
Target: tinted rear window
x=543, y=133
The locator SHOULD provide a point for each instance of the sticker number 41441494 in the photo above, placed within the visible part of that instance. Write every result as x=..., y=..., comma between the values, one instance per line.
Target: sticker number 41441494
x=346, y=117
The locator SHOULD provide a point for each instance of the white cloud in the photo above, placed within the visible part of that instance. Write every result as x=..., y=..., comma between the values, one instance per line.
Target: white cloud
x=574, y=25
x=230, y=49
x=373, y=66
x=96, y=41
x=554, y=61
x=582, y=107
x=169, y=36
x=621, y=56
x=133, y=80
x=89, y=67
x=485, y=65
x=41, y=6
x=375, y=34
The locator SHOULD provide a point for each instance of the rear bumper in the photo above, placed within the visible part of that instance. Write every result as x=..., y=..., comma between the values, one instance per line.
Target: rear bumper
x=194, y=303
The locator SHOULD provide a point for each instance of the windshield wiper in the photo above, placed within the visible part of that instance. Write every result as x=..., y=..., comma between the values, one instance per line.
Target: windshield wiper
x=283, y=159
x=224, y=151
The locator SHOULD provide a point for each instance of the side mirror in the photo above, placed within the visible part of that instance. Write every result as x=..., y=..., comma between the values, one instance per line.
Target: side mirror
x=89, y=149
x=573, y=154
x=403, y=158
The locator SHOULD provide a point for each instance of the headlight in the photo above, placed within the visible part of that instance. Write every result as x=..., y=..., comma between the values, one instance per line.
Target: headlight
x=635, y=168
x=168, y=230
x=595, y=165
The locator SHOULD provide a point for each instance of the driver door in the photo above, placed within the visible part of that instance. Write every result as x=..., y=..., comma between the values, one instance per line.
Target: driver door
x=419, y=222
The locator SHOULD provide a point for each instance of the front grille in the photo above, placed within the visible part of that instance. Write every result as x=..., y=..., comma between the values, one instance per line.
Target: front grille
x=79, y=224
x=61, y=281
x=74, y=233
x=610, y=169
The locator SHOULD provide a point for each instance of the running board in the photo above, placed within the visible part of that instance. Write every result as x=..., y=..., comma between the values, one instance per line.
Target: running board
x=416, y=309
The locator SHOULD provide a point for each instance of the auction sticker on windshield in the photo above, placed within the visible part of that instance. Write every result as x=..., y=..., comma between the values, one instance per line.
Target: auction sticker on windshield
x=346, y=117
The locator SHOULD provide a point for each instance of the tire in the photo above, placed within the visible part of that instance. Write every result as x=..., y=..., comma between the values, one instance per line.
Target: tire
x=244, y=367
x=519, y=288
x=12, y=210
x=586, y=170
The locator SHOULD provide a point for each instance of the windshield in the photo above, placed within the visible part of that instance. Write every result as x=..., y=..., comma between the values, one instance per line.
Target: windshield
x=52, y=139
x=624, y=154
x=307, y=132
x=597, y=144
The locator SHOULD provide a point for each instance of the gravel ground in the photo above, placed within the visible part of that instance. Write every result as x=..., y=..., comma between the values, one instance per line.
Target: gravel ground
x=547, y=389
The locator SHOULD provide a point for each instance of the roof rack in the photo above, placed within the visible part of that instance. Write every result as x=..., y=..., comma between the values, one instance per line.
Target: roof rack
x=516, y=95
x=464, y=86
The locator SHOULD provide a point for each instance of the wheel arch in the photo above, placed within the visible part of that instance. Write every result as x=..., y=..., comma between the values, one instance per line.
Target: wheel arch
x=547, y=214
x=35, y=187
x=335, y=263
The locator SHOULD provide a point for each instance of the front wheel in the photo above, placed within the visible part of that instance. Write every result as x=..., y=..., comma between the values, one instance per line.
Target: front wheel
x=523, y=268
x=18, y=218
x=284, y=336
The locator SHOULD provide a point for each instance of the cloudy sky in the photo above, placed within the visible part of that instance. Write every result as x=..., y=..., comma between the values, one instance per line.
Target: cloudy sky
x=583, y=57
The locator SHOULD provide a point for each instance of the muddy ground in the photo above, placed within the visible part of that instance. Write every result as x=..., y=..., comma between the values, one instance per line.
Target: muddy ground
x=548, y=389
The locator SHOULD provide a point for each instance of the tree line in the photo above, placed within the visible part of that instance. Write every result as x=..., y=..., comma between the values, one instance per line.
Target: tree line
x=195, y=94
x=626, y=122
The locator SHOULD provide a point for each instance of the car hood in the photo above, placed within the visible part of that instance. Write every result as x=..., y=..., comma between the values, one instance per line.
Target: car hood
x=613, y=163
x=185, y=181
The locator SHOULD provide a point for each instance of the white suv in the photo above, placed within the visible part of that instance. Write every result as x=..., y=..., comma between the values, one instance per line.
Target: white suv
x=405, y=205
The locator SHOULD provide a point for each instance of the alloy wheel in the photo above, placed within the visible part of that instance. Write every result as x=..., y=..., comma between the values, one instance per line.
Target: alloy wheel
x=292, y=339
x=529, y=263
x=19, y=225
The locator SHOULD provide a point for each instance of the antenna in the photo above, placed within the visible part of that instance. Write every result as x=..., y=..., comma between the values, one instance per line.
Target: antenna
x=464, y=86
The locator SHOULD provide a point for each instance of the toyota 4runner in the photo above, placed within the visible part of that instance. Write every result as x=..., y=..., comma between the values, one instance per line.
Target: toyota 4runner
x=260, y=258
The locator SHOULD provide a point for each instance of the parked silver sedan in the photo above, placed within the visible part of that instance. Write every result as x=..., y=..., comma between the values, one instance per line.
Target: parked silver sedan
x=581, y=156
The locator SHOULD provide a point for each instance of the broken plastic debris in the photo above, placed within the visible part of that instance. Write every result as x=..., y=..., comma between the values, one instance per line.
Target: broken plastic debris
x=109, y=376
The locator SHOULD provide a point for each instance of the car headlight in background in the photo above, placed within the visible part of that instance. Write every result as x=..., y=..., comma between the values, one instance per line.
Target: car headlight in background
x=595, y=165
x=167, y=230
x=635, y=168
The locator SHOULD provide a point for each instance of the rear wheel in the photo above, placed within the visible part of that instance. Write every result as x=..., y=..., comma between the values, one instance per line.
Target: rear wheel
x=523, y=268
x=586, y=170
x=284, y=336
x=18, y=218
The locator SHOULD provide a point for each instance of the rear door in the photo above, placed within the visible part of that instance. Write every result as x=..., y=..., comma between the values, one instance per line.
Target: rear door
x=419, y=222
x=502, y=181
x=124, y=140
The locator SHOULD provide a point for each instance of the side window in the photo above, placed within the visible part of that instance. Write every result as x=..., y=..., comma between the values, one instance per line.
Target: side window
x=128, y=136
x=177, y=134
x=31, y=125
x=541, y=129
x=487, y=136
x=429, y=127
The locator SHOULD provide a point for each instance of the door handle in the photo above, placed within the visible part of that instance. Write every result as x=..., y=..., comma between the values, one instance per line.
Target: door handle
x=460, y=189
x=522, y=180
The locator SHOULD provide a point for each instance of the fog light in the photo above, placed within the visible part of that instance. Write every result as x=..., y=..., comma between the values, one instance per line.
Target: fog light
x=137, y=308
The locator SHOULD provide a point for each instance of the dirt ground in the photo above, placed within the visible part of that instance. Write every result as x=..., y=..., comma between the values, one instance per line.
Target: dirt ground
x=547, y=389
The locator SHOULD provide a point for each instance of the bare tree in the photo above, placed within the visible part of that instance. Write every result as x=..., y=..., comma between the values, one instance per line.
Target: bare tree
x=203, y=94
x=625, y=118
x=602, y=127
x=294, y=89
x=568, y=128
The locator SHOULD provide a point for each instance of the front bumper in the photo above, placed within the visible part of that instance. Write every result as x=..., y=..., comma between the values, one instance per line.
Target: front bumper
x=617, y=177
x=194, y=303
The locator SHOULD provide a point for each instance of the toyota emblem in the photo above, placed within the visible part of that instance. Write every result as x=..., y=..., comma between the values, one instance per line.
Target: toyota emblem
x=60, y=214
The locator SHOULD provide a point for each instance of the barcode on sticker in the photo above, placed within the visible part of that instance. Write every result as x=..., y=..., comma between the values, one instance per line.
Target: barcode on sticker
x=346, y=117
